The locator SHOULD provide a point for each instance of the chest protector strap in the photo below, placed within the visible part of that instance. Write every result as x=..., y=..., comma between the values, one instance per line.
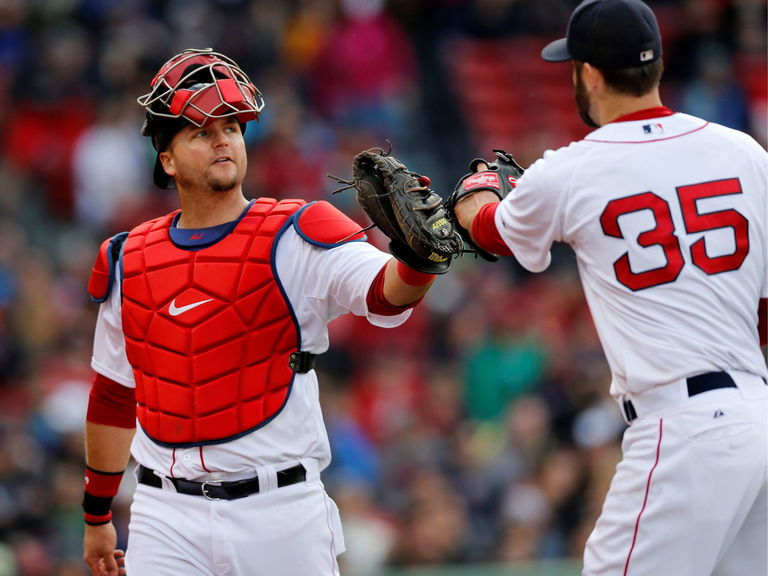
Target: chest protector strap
x=104, y=269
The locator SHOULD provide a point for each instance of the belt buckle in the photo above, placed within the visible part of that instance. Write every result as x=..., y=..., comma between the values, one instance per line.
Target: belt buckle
x=204, y=488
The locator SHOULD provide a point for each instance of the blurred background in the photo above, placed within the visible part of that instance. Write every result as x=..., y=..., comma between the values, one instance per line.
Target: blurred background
x=477, y=439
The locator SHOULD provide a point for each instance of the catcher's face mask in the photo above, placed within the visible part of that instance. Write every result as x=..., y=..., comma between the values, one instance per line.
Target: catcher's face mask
x=199, y=85
x=194, y=87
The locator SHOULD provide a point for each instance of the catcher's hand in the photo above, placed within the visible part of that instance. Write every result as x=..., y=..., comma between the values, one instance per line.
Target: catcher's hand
x=500, y=178
x=403, y=206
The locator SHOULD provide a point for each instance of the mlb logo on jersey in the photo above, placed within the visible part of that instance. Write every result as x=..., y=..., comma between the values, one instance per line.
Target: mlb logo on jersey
x=655, y=128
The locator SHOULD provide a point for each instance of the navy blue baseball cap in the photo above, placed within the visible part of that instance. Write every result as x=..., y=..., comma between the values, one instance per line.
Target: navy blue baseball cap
x=609, y=34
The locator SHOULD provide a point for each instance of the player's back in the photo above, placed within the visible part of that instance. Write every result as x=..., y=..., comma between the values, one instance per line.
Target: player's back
x=668, y=220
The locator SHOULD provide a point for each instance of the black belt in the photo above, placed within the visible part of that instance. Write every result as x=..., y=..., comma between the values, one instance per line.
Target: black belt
x=222, y=490
x=696, y=385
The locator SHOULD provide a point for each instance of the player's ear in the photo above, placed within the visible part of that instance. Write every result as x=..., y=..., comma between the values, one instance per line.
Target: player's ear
x=167, y=161
x=592, y=77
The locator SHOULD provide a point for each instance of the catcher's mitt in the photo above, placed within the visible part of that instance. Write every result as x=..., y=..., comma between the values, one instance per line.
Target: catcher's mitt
x=403, y=206
x=500, y=178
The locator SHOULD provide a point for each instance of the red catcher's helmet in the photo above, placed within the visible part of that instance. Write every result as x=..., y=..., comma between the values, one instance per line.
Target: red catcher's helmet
x=194, y=87
x=200, y=85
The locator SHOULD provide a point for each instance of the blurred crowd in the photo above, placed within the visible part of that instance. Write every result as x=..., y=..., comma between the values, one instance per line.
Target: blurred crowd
x=481, y=430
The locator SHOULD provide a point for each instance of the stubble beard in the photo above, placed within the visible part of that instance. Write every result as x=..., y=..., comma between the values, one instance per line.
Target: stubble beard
x=582, y=102
x=215, y=184
x=222, y=185
x=225, y=183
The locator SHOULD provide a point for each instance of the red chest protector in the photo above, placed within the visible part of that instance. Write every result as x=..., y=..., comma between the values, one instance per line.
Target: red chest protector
x=208, y=332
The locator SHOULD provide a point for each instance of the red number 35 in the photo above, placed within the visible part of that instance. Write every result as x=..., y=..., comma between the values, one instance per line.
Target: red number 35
x=663, y=234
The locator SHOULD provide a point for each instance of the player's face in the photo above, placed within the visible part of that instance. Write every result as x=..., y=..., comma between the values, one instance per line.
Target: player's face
x=211, y=157
x=582, y=96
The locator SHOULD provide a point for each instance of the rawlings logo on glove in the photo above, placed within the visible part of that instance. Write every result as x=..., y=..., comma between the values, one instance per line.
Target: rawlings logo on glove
x=482, y=180
x=500, y=178
x=402, y=205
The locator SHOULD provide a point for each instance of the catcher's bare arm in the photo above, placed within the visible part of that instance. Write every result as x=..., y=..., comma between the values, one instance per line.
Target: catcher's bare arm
x=473, y=203
x=468, y=207
x=109, y=430
x=107, y=450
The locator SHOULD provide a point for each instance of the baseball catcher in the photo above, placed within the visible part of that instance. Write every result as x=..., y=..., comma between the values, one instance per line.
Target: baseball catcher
x=211, y=318
x=406, y=210
x=500, y=178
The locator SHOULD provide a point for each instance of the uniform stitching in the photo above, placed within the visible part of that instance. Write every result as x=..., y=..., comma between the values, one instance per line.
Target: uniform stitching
x=202, y=460
x=645, y=499
x=328, y=513
x=646, y=141
x=173, y=463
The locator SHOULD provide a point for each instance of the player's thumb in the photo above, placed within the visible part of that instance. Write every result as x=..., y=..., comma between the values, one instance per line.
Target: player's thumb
x=478, y=165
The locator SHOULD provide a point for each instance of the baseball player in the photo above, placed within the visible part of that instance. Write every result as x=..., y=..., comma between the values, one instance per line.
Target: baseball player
x=210, y=321
x=666, y=214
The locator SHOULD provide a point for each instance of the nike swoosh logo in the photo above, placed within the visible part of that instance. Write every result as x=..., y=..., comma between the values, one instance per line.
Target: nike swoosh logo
x=174, y=310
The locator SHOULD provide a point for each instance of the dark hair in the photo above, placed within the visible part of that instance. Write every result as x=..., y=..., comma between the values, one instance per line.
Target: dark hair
x=161, y=130
x=636, y=81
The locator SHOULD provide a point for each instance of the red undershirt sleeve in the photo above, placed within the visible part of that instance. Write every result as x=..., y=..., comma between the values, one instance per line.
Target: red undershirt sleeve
x=484, y=231
x=378, y=304
x=111, y=403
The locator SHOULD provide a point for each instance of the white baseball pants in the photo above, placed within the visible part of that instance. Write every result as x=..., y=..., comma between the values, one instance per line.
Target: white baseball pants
x=291, y=530
x=689, y=496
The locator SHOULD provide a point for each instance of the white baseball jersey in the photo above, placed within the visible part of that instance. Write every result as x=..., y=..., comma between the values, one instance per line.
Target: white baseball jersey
x=667, y=217
x=321, y=285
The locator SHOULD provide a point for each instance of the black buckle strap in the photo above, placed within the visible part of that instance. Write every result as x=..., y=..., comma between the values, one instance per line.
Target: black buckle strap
x=629, y=410
x=696, y=385
x=223, y=490
x=302, y=362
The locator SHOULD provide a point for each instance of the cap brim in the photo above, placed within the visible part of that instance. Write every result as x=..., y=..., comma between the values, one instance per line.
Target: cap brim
x=556, y=51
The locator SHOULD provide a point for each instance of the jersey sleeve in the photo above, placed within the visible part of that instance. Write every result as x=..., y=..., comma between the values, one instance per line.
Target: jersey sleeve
x=109, y=358
x=324, y=283
x=528, y=219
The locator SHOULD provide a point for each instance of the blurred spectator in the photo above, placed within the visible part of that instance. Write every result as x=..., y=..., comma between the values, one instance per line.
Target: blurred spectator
x=509, y=359
x=503, y=18
x=12, y=238
x=111, y=167
x=14, y=46
x=387, y=395
x=526, y=515
x=355, y=457
x=369, y=535
x=498, y=371
x=290, y=144
x=364, y=75
x=306, y=33
x=713, y=93
x=52, y=109
x=434, y=522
